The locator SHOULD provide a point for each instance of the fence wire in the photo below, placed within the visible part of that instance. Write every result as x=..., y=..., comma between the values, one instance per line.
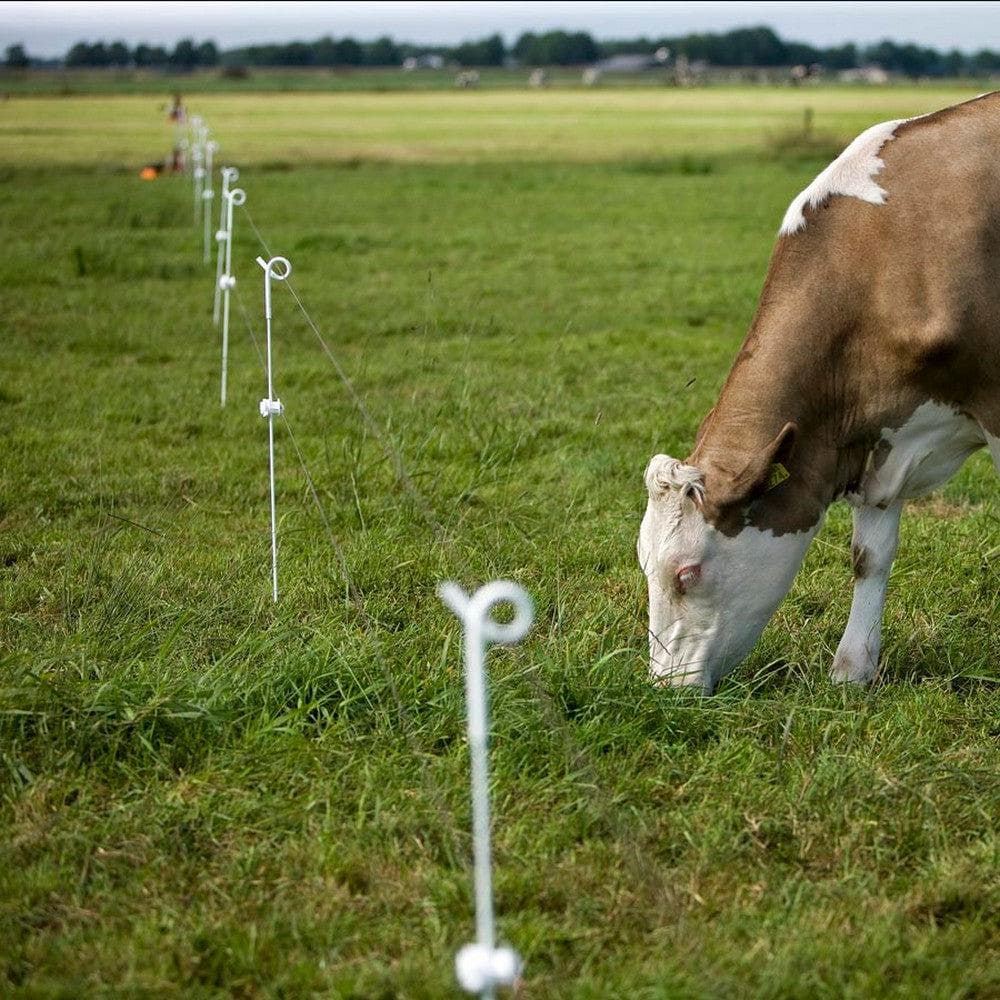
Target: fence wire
x=637, y=860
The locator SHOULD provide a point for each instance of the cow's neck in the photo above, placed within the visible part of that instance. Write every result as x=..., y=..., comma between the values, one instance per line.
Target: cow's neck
x=785, y=372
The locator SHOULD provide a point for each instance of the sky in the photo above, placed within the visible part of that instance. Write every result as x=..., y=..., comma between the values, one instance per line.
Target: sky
x=49, y=29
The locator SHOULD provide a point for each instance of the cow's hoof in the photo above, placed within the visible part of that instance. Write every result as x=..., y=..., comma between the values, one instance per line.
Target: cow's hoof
x=853, y=668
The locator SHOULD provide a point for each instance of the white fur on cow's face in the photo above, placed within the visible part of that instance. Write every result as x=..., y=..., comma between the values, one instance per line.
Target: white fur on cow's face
x=697, y=636
x=851, y=174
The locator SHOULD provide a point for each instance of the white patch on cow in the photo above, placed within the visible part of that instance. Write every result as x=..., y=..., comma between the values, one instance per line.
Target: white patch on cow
x=698, y=636
x=851, y=174
x=924, y=453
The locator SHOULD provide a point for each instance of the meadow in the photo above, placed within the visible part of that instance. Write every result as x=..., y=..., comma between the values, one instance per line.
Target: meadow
x=203, y=794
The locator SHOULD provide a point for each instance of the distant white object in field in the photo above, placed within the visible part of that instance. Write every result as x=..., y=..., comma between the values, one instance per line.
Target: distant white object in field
x=227, y=281
x=277, y=268
x=229, y=175
x=207, y=194
x=482, y=967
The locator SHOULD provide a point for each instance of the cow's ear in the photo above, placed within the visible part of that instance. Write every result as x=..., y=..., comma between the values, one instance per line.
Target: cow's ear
x=765, y=470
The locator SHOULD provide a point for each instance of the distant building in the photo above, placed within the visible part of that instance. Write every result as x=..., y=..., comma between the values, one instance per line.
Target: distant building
x=864, y=74
x=429, y=60
x=626, y=62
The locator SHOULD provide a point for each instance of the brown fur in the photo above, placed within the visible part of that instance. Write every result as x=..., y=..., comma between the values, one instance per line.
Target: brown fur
x=865, y=314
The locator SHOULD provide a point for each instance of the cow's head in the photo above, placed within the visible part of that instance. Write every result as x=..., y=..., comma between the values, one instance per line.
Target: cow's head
x=711, y=592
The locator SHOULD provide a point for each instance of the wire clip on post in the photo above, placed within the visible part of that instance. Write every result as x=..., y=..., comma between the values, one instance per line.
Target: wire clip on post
x=278, y=269
x=482, y=967
x=229, y=175
x=227, y=282
x=207, y=194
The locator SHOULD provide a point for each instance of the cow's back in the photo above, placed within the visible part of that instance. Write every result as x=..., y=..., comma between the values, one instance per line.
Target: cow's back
x=915, y=280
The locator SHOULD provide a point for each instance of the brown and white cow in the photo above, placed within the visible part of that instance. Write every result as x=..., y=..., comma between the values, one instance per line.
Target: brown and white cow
x=871, y=371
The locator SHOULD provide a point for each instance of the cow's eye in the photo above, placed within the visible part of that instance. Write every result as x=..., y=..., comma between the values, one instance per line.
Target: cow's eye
x=686, y=577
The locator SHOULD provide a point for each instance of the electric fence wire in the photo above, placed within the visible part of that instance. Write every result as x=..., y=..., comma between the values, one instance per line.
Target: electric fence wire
x=358, y=601
x=638, y=860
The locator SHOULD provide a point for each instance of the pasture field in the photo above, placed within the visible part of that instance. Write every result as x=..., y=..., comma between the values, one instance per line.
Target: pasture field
x=75, y=82
x=282, y=130
x=205, y=795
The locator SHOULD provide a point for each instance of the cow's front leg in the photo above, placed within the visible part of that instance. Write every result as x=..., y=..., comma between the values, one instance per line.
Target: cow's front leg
x=873, y=548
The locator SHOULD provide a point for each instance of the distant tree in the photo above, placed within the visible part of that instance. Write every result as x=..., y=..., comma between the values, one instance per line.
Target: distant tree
x=798, y=53
x=184, y=56
x=485, y=52
x=208, y=54
x=150, y=55
x=756, y=47
x=627, y=46
x=98, y=54
x=910, y=60
x=324, y=52
x=840, y=57
x=294, y=54
x=349, y=52
x=118, y=55
x=985, y=61
x=78, y=55
x=16, y=57
x=382, y=52
x=524, y=46
x=556, y=48
x=954, y=63
x=84, y=54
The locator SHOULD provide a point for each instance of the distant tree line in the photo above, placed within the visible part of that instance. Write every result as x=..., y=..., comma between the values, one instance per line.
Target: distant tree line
x=763, y=47
x=185, y=55
x=758, y=46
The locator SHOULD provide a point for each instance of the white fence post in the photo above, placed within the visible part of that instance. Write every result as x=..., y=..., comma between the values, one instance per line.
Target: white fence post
x=226, y=283
x=207, y=195
x=197, y=163
x=482, y=967
x=279, y=269
x=229, y=174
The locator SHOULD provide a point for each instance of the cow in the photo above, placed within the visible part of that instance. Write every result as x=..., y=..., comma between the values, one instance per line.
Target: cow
x=870, y=372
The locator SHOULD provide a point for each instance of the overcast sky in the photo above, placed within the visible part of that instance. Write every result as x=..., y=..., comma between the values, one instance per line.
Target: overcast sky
x=48, y=29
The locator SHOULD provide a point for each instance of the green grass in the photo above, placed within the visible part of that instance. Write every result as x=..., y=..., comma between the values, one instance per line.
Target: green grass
x=262, y=80
x=205, y=795
x=284, y=130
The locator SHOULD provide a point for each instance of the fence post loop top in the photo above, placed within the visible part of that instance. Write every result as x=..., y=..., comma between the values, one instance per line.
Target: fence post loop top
x=231, y=173
x=476, y=611
x=277, y=268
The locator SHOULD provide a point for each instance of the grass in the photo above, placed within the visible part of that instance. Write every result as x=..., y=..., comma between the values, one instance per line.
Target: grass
x=77, y=82
x=566, y=126
x=267, y=80
x=206, y=795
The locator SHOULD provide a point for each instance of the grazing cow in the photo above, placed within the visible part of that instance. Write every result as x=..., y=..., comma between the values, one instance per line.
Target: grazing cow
x=870, y=372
